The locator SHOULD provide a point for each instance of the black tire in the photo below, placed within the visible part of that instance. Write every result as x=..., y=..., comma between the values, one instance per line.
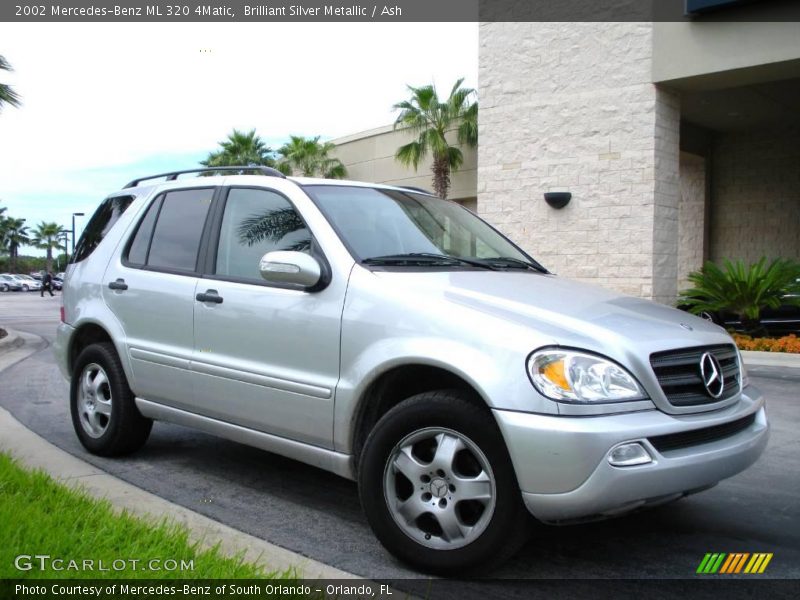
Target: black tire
x=126, y=430
x=25, y=287
x=508, y=525
x=6, y=287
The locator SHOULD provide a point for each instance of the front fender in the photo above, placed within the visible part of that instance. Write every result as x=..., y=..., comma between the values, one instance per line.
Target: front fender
x=499, y=380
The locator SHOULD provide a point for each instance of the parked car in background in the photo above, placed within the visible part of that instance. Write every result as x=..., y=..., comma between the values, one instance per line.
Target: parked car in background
x=28, y=283
x=37, y=275
x=57, y=283
x=9, y=283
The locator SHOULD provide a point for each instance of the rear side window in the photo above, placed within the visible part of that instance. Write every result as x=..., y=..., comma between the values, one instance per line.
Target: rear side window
x=100, y=224
x=169, y=235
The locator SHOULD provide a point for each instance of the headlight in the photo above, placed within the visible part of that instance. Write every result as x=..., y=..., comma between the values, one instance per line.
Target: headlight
x=572, y=376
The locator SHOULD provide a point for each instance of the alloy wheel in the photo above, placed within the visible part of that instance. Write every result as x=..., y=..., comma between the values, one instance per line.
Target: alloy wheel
x=439, y=488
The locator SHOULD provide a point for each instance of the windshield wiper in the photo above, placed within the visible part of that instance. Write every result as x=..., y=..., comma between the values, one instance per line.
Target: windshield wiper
x=424, y=258
x=515, y=263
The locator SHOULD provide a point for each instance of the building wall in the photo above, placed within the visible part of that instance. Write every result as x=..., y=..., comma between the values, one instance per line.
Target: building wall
x=369, y=156
x=718, y=54
x=571, y=106
x=755, y=207
x=691, y=216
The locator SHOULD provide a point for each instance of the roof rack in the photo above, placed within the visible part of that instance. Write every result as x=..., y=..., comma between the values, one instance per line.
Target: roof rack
x=173, y=175
x=412, y=188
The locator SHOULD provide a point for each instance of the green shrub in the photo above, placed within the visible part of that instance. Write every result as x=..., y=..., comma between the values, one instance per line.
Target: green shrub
x=742, y=290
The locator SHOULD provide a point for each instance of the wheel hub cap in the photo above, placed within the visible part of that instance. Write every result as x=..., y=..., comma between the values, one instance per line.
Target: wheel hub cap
x=94, y=400
x=439, y=488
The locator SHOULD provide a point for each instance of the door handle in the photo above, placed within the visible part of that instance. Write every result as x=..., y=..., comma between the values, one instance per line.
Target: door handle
x=209, y=296
x=119, y=284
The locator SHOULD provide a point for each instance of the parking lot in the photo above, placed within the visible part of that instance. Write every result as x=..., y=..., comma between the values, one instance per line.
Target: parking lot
x=318, y=514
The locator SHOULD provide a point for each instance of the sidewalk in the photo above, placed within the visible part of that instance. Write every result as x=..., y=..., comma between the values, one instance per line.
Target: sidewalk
x=34, y=452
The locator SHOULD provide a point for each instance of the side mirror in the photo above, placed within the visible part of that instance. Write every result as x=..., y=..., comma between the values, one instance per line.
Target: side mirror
x=295, y=268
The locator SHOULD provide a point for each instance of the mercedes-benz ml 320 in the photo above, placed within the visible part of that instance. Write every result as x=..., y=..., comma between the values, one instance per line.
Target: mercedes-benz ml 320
x=396, y=339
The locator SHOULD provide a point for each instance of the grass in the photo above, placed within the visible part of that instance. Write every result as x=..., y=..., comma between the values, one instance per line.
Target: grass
x=40, y=516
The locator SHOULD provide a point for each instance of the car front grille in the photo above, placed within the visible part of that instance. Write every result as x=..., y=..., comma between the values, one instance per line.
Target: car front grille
x=686, y=439
x=678, y=373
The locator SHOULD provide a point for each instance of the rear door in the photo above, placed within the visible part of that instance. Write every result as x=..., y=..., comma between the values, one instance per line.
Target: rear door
x=150, y=288
x=266, y=357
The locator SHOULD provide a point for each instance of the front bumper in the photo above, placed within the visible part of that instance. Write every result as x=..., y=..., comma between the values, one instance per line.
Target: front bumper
x=563, y=472
x=61, y=348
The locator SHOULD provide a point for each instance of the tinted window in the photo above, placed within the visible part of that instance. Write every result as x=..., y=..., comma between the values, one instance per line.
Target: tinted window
x=137, y=253
x=176, y=237
x=256, y=222
x=100, y=224
x=379, y=222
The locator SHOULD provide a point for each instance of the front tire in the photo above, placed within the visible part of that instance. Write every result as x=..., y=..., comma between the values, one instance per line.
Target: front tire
x=104, y=414
x=438, y=487
x=25, y=287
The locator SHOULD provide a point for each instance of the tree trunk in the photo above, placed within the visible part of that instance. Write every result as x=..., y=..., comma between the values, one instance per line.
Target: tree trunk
x=12, y=259
x=49, y=261
x=441, y=176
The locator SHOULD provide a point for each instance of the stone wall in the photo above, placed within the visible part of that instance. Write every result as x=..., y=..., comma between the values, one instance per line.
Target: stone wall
x=755, y=208
x=571, y=106
x=691, y=216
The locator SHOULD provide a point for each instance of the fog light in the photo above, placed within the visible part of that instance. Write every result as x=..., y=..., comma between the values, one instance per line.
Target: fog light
x=628, y=455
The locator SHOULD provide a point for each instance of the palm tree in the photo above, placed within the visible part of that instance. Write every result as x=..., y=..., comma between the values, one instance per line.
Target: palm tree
x=46, y=236
x=310, y=158
x=15, y=234
x=241, y=149
x=7, y=95
x=431, y=120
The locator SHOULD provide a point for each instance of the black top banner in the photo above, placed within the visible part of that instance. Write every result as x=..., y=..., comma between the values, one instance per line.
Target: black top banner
x=397, y=10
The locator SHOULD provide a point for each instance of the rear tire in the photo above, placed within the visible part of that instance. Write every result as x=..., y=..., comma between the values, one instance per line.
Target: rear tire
x=104, y=412
x=438, y=487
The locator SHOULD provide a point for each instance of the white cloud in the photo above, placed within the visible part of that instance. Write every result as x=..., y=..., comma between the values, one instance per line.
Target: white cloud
x=104, y=96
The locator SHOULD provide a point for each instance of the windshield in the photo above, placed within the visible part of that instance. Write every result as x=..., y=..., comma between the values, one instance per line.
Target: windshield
x=403, y=228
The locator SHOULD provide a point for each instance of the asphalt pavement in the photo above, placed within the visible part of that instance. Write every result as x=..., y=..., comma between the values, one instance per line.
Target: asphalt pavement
x=317, y=514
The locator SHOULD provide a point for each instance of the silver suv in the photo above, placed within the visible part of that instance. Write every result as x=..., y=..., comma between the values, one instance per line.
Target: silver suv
x=398, y=340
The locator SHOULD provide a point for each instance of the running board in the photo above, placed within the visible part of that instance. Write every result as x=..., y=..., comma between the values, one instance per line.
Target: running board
x=335, y=462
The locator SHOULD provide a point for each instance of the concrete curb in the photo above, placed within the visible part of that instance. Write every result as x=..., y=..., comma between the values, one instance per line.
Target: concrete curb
x=770, y=359
x=11, y=341
x=34, y=452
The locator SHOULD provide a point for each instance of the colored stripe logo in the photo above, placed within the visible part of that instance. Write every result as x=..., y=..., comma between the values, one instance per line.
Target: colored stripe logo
x=734, y=563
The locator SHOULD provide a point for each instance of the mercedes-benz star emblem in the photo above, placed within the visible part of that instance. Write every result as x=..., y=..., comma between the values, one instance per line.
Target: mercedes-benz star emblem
x=438, y=488
x=711, y=373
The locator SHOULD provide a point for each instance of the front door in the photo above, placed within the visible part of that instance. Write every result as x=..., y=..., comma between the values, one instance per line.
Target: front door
x=265, y=357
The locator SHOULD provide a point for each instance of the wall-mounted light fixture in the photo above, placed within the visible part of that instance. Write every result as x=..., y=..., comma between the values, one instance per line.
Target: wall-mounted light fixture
x=557, y=199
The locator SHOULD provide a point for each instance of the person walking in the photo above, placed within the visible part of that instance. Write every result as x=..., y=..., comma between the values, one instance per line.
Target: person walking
x=47, y=284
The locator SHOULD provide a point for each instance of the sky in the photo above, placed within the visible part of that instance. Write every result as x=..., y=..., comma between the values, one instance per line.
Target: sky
x=106, y=103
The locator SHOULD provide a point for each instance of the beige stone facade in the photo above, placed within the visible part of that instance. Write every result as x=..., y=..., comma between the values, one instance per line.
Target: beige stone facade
x=369, y=156
x=756, y=195
x=669, y=162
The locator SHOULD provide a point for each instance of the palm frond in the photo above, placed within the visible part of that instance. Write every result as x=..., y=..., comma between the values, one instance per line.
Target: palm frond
x=272, y=225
